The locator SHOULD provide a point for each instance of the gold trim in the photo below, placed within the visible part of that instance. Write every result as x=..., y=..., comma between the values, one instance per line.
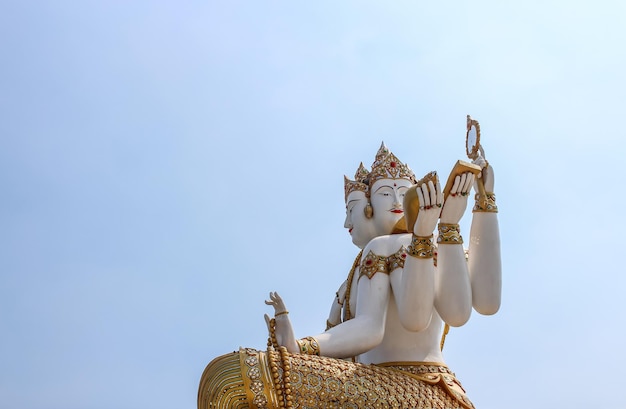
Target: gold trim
x=222, y=385
x=308, y=346
x=446, y=330
x=372, y=264
x=277, y=379
x=397, y=259
x=449, y=234
x=347, y=314
x=421, y=247
x=473, y=152
x=485, y=203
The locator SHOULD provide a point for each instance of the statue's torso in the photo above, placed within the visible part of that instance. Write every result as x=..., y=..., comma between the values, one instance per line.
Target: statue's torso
x=399, y=344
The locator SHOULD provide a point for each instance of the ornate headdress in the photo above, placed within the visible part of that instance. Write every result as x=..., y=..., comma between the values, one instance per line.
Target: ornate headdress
x=358, y=183
x=388, y=166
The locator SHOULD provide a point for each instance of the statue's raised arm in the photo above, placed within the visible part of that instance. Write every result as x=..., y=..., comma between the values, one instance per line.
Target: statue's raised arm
x=485, y=265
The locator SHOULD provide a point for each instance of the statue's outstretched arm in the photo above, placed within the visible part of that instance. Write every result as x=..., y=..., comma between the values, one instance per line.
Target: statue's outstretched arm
x=350, y=338
x=366, y=330
x=485, y=264
x=453, y=294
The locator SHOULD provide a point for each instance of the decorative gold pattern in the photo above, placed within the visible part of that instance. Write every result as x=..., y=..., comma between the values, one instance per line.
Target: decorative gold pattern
x=347, y=314
x=222, y=385
x=397, y=259
x=358, y=183
x=446, y=330
x=373, y=264
x=449, y=234
x=321, y=382
x=259, y=390
x=485, y=203
x=282, y=388
x=388, y=166
x=421, y=247
x=361, y=173
x=350, y=186
x=435, y=374
x=308, y=346
x=472, y=149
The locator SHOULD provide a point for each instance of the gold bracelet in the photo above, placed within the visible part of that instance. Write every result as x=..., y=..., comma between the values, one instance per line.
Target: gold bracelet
x=308, y=346
x=485, y=203
x=421, y=247
x=449, y=234
x=281, y=313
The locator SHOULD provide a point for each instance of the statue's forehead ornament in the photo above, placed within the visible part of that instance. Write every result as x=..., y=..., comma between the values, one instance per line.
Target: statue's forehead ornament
x=388, y=166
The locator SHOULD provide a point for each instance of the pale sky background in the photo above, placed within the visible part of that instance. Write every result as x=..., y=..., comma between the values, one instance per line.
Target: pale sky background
x=164, y=165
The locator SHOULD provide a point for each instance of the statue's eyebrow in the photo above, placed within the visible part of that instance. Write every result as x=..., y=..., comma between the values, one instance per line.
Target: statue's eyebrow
x=380, y=187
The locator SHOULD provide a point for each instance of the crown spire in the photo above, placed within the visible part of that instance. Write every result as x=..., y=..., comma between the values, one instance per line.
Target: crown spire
x=388, y=166
x=358, y=183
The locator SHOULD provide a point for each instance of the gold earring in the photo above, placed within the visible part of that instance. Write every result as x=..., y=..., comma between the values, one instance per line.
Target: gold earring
x=369, y=212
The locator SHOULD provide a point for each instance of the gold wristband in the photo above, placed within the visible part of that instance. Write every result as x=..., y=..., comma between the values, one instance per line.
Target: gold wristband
x=308, y=346
x=449, y=234
x=421, y=247
x=485, y=203
x=281, y=313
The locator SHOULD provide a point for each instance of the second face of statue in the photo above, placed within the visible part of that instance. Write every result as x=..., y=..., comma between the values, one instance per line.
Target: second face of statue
x=386, y=197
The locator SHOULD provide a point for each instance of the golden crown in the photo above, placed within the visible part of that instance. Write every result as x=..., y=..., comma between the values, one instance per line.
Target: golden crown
x=358, y=183
x=388, y=166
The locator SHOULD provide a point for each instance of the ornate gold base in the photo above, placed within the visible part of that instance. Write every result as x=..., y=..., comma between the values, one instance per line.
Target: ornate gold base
x=221, y=385
x=244, y=380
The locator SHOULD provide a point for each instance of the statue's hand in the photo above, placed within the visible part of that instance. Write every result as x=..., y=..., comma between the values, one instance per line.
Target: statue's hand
x=341, y=293
x=431, y=200
x=277, y=302
x=456, y=202
x=283, y=329
x=487, y=174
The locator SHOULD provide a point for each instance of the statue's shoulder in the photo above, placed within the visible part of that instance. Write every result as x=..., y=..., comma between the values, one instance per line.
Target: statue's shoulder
x=387, y=245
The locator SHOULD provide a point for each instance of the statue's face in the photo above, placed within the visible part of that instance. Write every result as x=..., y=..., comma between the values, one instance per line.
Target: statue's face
x=386, y=197
x=360, y=227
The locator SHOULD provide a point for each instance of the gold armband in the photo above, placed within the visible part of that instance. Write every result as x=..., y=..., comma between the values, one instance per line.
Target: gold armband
x=421, y=247
x=372, y=264
x=308, y=346
x=485, y=203
x=449, y=234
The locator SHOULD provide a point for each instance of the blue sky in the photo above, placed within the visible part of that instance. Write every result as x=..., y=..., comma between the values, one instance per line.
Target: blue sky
x=164, y=165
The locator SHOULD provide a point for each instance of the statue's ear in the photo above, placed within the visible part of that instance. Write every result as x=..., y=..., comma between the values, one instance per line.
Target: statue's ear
x=368, y=210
